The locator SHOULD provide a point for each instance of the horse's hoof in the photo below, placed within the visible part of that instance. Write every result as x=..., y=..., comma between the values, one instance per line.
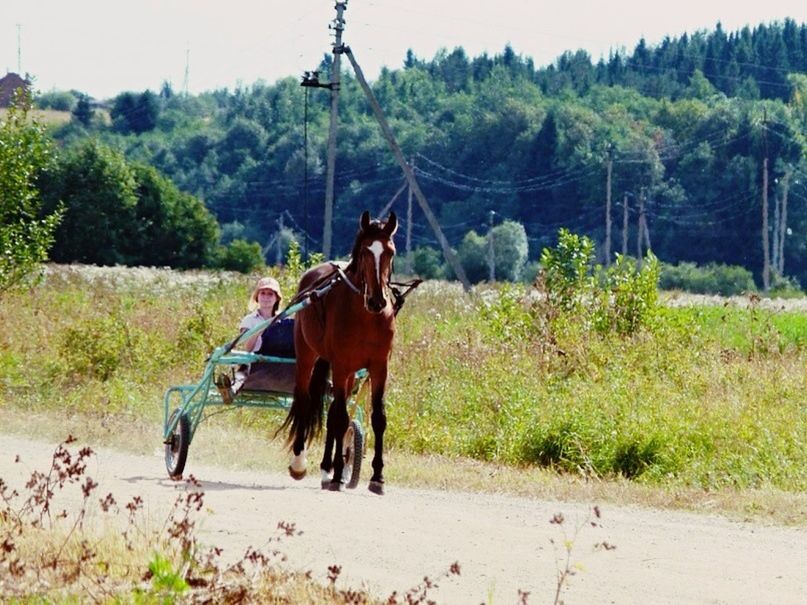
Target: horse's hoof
x=335, y=486
x=297, y=475
x=377, y=487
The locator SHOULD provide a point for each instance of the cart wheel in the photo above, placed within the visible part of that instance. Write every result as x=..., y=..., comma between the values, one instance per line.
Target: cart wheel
x=176, y=445
x=352, y=450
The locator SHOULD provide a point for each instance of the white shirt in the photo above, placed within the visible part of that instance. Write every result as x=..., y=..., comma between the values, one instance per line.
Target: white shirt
x=249, y=322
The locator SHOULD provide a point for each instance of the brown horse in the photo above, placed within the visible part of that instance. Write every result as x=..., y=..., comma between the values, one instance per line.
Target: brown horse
x=350, y=328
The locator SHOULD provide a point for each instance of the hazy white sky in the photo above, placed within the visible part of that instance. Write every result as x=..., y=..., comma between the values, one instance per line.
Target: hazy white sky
x=103, y=47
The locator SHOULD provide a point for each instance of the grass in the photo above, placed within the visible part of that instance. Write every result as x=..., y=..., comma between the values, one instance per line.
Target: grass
x=50, y=117
x=704, y=411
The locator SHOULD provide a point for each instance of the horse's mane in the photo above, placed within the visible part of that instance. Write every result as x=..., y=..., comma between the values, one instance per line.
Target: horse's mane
x=375, y=228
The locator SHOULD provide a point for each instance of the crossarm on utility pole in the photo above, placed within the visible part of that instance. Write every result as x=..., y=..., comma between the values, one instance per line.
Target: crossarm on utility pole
x=450, y=257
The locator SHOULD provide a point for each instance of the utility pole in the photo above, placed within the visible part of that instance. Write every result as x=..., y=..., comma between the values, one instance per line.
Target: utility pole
x=640, y=230
x=766, y=266
x=409, y=264
x=19, y=49
x=491, y=257
x=278, y=243
x=625, y=225
x=776, y=225
x=186, y=79
x=609, y=167
x=338, y=26
x=783, y=220
x=450, y=257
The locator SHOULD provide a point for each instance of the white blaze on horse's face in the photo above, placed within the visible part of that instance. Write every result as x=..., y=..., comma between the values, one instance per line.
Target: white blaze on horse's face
x=377, y=248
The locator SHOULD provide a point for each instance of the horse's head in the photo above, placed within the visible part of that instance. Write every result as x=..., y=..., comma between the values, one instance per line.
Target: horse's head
x=373, y=252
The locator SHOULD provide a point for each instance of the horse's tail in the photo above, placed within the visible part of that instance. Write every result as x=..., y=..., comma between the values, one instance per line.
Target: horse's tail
x=304, y=420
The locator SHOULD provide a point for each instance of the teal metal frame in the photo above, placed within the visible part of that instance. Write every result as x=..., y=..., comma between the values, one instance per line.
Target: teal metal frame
x=194, y=398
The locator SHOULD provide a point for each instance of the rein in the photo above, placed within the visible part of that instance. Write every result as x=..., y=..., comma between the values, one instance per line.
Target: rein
x=345, y=278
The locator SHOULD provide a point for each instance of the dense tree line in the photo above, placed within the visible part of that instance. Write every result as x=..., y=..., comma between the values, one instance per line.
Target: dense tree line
x=686, y=127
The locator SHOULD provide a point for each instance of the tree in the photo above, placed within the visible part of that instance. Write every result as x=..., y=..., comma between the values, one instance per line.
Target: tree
x=473, y=255
x=82, y=112
x=98, y=190
x=25, y=235
x=510, y=249
x=135, y=113
x=242, y=256
x=173, y=228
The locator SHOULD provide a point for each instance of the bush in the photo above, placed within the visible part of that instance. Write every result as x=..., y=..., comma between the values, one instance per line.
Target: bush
x=726, y=280
x=630, y=297
x=426, y=263
x=242, y=256
x=623, y=298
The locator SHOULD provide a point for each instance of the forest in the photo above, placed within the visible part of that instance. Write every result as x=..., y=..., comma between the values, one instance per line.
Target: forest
x=697, y=133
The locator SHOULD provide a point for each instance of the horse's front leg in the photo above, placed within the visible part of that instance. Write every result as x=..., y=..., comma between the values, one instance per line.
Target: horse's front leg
x=378, y=382
x=338, y=421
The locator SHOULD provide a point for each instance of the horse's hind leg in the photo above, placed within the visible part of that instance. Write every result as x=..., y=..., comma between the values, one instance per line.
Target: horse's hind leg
x=318, y=385
x=299, y=420
x=338, y=421
x=378, y=382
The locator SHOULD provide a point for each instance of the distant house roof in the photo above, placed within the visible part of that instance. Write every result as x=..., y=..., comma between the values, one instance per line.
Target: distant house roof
x=8, y=84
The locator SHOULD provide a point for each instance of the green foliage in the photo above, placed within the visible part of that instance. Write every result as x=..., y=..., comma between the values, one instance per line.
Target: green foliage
x=98, y=190
x=507, y=316
x=167, y=583
x=427, y=263
x=82, y=111
x=241, y=255
x=61, y=100
x=727, y=280
x=173, y=228
x=97, y=348
x=473, y=256
x=629, y=299
x=295, y=266
x=567, y=271
x=621, y=299
x=25, y=235
x=497, y=132
x=136, y=216
x=510, y=248
x=135, y=113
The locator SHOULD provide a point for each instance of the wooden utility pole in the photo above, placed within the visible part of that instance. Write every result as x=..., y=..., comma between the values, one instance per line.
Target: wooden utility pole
x=766, y=252
x=491, y=256
x=640, y=229
x=450, y=257
x=783, y=221
x=279, y=242
x=776, y=223
x=409, y=263
x=19, y=49
x=625, y=225
x=609, y=167
x=338, y=26
x=646, y=229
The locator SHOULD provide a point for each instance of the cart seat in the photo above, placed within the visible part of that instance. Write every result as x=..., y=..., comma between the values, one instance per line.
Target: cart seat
x=276, y=377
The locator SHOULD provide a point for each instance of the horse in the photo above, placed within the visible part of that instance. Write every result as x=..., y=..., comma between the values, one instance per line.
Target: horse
x=351, y=327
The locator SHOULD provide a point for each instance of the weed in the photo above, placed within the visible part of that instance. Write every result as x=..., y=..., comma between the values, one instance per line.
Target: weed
x=565, y=567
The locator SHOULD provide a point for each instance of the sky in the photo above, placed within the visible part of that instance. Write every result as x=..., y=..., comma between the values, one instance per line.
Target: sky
x=104, y=47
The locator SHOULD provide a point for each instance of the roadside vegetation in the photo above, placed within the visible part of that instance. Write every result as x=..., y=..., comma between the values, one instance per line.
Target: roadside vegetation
x=583, y=377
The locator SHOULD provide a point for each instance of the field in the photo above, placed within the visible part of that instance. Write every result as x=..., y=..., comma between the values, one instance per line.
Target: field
x=708, y=400
x=49, y=117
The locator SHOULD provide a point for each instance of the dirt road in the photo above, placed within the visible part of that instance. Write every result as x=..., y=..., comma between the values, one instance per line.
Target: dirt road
x=501, y=543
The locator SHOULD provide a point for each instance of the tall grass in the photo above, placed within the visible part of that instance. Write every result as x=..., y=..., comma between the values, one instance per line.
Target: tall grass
x=706, y=397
